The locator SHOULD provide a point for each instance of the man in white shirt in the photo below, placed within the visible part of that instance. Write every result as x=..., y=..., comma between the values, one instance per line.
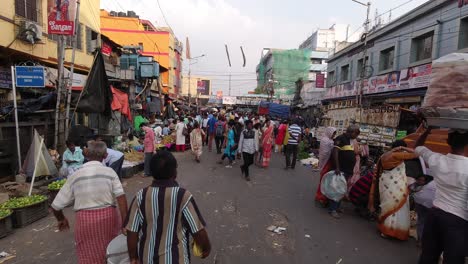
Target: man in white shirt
x=115, y=161
x=446, y=227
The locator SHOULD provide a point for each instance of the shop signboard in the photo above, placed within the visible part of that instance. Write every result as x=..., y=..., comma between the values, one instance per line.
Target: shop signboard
x=410, y=78
x=5, y=78
x=61, y=17
x=319, y=80
x=106, y=49
x=229, y=100
x=30, y=76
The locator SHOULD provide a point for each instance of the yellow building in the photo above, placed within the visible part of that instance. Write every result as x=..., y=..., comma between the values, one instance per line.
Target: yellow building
x=128, y=29
x=16, y=15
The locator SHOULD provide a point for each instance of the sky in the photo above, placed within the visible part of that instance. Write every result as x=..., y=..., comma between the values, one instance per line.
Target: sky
x=252, y=24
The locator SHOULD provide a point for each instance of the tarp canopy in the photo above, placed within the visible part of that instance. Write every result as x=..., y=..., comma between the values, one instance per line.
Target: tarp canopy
x=38, y=153
x=97, y=94
x=273, y=109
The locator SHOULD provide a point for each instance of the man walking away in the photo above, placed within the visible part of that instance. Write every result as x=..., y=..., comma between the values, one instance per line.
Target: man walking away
x=162, y=216
x=149, y=147
x=248, y=146
x=220, y=133
x=211, y=131
x=344, y=159
x=291, y=148
x=95, y=190
x=446, y=226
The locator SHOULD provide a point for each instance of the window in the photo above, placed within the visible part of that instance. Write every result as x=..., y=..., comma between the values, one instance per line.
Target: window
x=421, y=47
x=331, y=78
x=386, y=59
x=345, y=73
x=316, y=61
x=360, y=68
x=91, y=40
x=463, y=35
x=29, y=9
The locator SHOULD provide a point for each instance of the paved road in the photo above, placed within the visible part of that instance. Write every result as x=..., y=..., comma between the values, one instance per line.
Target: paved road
x=238, y=213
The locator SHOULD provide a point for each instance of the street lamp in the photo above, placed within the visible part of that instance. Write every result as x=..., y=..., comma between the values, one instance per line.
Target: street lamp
x=190, y=74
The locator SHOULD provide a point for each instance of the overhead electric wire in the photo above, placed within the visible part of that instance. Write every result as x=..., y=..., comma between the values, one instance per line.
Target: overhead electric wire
x=163, y=15
x=144, y=32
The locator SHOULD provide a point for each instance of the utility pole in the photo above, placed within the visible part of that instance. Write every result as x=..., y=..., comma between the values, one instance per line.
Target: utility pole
x=72, y=69
x=189, y=81
x=364, y=60
x=60, y=61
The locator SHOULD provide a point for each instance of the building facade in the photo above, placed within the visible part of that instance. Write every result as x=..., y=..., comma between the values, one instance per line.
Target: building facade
x=18, y=48
x=331, y=40
x=393, y=69
x=161, y=43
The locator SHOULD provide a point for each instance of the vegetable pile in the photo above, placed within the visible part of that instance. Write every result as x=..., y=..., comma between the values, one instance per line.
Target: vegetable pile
x=56, y=185
x=4, y=213
x=134, y=156
x=20, y=202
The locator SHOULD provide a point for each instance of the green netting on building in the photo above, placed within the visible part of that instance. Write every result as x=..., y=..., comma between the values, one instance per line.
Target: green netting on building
x=284, y=67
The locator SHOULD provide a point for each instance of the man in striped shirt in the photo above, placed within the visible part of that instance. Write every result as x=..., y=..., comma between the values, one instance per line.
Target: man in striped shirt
x=162, y=216
x=295, y=136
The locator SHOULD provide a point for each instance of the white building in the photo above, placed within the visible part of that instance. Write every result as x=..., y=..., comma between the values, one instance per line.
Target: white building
x=331, y=39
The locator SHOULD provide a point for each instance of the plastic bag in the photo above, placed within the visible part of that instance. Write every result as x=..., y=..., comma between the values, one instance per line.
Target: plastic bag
x=334, y=186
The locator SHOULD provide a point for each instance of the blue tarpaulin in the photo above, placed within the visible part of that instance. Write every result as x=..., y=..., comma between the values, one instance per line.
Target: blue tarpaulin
x=274, y=109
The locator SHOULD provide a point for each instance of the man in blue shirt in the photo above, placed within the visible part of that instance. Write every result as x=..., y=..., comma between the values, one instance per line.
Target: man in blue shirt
x=72, y=159
x=211, y=131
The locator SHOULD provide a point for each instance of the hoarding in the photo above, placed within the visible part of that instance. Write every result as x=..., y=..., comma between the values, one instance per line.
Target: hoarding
x=319, y=80
x=61, y=17
x=409, y=78
x=203, y=87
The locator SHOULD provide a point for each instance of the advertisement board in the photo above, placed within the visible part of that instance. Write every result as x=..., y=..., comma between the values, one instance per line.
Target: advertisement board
x=30, y=76
x=229, y=100
x=409, y=78
x=61, y=17
x=203, y=87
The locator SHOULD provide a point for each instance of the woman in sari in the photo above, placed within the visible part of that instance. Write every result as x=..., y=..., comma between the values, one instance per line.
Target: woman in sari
x=196, y=141
x=390, y=191
x=267, y=143
x=230, y=146
x=325, y=163
x=281, y=134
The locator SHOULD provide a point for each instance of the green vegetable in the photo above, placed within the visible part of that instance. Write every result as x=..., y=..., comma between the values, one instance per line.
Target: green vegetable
x=4, y=213
x=19, y=202
x=302, y=154
x=56, y=185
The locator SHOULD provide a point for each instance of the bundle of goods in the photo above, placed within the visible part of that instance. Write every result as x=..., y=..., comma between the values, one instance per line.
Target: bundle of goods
x=446, y=101
x=134, y=156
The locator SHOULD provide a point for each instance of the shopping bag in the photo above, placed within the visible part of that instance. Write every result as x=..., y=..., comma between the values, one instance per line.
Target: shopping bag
x=334, y=186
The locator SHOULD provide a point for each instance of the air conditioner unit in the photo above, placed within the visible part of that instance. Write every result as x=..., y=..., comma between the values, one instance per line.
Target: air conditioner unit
x=31, y=32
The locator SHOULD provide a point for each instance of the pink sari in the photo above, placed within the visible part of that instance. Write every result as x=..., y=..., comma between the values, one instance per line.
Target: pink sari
x=267, y=145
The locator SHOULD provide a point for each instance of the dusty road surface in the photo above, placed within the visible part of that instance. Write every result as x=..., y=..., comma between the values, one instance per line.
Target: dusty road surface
x=238, y=214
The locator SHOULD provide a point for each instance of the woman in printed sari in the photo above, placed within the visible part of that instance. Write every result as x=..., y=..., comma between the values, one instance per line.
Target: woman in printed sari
x=267, y=143
x=196, y=141
x=390, y=192
x=325, y=163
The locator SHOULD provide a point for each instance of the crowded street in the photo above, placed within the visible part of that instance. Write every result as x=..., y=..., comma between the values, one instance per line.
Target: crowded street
x=238, y=214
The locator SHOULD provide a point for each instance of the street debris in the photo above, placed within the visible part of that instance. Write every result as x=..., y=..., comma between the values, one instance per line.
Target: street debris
x=339, y=261
x=5, y=256
x=276, y=229
x=307, y=236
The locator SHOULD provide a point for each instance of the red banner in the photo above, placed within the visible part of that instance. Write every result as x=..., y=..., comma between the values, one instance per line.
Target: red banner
x=61, y=17
x=320, y=80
